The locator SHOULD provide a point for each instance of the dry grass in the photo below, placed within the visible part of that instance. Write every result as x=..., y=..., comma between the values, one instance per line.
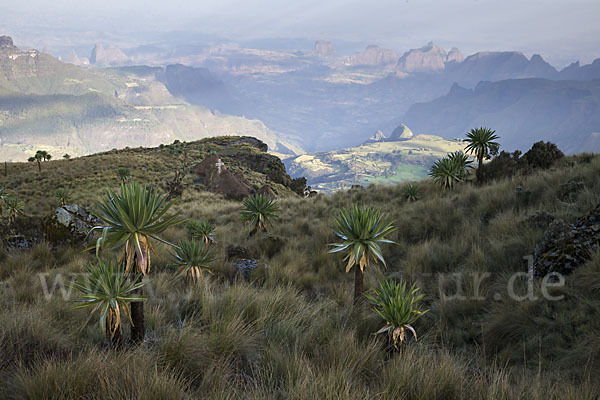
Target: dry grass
x=290, y=331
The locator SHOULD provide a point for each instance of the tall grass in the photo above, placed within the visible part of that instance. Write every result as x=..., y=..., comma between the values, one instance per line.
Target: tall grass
x=289, y=331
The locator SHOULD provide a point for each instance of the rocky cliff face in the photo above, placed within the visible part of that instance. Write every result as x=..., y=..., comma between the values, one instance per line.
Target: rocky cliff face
x=430, y=58
x=109, y=56
x=373, y=55
x=324, y=49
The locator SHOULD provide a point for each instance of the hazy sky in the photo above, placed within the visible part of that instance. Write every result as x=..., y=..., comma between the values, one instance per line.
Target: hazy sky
x=561, y=30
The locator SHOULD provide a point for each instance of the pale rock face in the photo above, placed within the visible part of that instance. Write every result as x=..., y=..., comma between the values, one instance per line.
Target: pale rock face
x=377, y=137
x=373, y=55
x=401, y=133
x=324, y=49
x=430, y=58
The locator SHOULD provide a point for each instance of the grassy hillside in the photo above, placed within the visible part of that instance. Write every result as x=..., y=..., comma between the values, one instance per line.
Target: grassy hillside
x=290, y=331
x=87, y=177
x=380, y=162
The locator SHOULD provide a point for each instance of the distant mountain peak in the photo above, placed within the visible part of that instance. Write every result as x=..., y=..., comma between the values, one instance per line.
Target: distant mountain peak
x=109, y=56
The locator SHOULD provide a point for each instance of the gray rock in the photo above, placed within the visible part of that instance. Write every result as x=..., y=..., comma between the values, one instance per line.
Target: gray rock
x=244, y=267
x=69, y=223
x=565, y=247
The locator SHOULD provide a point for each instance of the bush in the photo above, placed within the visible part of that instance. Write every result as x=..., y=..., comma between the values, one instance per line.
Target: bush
x=543, y=155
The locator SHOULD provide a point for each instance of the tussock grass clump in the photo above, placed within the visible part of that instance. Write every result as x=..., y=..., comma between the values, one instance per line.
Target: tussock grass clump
x=290, y=331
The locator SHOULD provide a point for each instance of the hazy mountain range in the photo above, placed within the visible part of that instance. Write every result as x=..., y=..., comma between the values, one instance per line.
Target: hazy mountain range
x=297, y=101
x=320, y=101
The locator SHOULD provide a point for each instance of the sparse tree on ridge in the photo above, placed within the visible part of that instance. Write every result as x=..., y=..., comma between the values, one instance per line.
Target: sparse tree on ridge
x=39, y=156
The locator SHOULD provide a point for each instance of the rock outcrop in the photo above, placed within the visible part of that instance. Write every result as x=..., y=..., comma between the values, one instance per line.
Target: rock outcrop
x=109, y=56
x=374, y=56
x=400, y=133
x=564, y=247
x=324, y=49
x=68, y=224
x=215, y=176
x=377, y=137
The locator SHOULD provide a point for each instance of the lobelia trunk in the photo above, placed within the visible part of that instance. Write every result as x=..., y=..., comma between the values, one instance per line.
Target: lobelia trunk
x=358, y=285
x=479, y=169
x=138, y=330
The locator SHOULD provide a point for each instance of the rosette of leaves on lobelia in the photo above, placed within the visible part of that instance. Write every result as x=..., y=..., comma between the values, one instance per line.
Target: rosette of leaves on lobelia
x=362, y=230
x=411, y=192
x=202, y=230
x=399, y=307
x=107, y=289
x=481, y=143
x=193, y=257
x=132, y=219
x=259, y=210
x=450, y=170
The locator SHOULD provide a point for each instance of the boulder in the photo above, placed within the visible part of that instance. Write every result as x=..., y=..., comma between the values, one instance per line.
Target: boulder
x=68, y=224
x=244, y=267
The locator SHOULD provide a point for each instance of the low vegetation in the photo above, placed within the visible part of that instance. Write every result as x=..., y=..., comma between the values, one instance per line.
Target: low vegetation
x=290, y=329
